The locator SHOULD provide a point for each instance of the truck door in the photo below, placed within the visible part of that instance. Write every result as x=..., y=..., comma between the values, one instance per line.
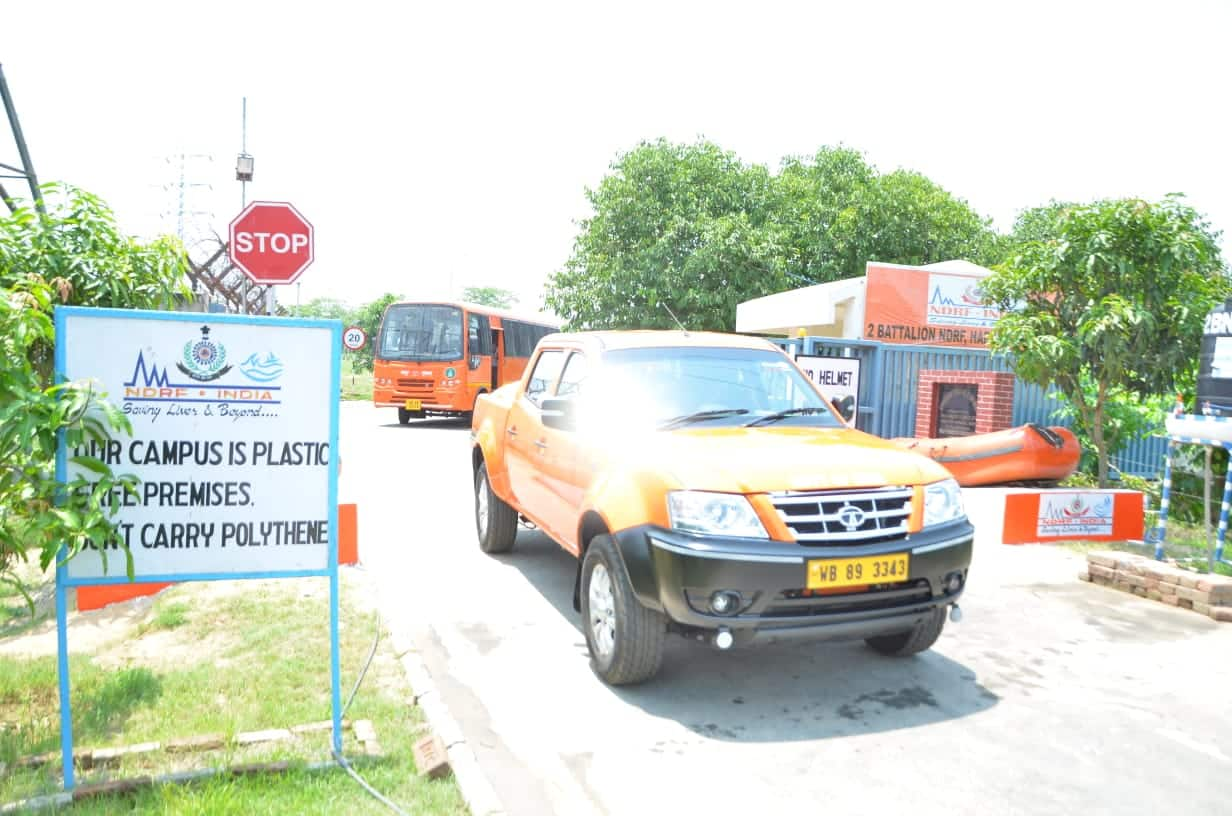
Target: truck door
x=526, y=442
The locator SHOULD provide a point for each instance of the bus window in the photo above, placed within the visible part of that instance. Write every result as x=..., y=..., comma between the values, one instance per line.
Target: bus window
x=421, y=332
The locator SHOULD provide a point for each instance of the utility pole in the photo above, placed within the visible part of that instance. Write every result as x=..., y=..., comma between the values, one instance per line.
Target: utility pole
x=243, y=173
x=27, y=165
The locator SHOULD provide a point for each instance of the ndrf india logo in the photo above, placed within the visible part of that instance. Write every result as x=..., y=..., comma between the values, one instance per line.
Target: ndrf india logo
x=1074, y=514
x=204, y=360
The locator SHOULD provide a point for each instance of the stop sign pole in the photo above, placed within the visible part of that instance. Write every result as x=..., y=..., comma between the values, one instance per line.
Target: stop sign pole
x=271, y=243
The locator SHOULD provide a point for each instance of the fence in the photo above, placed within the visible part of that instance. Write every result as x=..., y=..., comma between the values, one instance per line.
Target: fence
x=890, y=376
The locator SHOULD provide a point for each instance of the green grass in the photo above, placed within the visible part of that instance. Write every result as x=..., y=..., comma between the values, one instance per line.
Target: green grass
x=355, y=385
x=170, y=615
x=224, y=663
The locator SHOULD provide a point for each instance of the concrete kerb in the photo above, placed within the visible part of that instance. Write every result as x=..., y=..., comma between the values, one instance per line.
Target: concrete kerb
x=477, y=791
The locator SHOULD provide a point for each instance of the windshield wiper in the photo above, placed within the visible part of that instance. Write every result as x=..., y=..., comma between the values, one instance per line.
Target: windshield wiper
x=775, y=417
x=700, y=416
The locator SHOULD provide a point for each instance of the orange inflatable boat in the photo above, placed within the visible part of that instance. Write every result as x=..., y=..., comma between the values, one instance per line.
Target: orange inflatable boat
x=1028, y=453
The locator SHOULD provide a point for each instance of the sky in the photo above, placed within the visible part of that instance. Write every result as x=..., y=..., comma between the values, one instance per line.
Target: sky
x=444, y=145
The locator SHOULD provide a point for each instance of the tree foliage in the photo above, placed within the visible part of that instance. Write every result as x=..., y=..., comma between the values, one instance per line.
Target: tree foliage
x=490, y=296
x=836, y=213
x=676, y=226
x=1106, y=301
x=692, y=227
x=368, y=317
x=324, y=308
x=75, y=254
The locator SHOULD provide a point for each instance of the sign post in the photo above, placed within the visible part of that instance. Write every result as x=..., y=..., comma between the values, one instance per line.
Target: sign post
x=234, y=441
x=271, y=242
x=354, y=338
x=838, y=378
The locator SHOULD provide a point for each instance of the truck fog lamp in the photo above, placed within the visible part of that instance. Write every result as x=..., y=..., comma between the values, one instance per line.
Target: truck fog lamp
x=724, y=602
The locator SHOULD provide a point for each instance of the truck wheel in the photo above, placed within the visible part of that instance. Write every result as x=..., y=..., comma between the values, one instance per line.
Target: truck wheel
x=404, y=416
x=495, y=521
x=625, y=638
x=919, y=639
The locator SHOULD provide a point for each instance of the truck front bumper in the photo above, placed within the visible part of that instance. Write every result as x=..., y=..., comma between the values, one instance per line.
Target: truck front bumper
x=679, y=574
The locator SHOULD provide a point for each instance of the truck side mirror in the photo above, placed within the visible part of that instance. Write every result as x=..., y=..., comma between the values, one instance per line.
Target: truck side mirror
x=560, y=414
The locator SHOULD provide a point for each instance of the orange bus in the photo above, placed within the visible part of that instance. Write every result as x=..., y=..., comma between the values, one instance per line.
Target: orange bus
x=437, y=357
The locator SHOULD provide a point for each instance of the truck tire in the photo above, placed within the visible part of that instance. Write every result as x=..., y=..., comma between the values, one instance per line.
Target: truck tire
x=919, y=639
x=625, y=638
x=404, y=416
x=495, y=521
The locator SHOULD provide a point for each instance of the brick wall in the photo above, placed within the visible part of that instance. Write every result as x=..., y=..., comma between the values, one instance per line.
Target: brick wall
x=994, y=403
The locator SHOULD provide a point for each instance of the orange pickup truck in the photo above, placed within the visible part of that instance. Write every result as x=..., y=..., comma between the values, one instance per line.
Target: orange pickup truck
x=707, y=488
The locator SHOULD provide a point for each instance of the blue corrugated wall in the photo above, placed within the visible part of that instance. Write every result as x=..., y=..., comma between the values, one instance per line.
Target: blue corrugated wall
x=889, y=375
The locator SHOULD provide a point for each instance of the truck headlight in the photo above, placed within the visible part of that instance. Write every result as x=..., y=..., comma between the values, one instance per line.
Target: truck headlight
x=942, y=502
x=694, y=511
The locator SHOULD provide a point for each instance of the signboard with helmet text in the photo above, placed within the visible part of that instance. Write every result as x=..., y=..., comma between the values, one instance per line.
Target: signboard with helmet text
x=922, y=306
x=838, y=378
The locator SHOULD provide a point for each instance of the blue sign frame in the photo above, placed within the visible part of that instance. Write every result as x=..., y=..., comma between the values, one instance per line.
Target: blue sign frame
x=64, y=582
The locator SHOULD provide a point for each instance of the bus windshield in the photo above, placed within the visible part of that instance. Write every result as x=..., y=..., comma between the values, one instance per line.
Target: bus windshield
x=421, y=332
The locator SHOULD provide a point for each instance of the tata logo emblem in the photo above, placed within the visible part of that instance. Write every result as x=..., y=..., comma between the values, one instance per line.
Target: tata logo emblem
x=850, y=516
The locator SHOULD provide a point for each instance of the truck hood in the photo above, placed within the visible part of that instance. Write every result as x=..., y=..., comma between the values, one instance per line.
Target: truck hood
x=770, y=459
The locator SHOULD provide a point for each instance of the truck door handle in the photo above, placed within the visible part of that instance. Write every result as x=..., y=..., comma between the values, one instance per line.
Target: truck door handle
x=511, y=431
x=541, y=445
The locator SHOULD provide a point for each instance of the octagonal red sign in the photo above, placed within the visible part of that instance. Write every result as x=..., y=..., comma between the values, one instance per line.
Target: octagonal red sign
x=271, y=242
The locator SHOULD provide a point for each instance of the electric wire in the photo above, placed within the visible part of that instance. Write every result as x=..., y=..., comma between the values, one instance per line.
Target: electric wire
x=342, y=762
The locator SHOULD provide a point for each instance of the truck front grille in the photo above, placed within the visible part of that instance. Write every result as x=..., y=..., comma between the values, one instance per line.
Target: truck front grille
x=845, y=516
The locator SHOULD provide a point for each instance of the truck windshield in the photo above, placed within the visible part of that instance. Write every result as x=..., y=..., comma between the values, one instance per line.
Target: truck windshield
x=678, y=387
x=421, y=332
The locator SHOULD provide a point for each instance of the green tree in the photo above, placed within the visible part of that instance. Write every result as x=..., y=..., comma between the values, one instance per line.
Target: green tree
x=75, y=254
x=490, y=296
x=368, y=317
x=679, y=227
x=836, y=212
x=325, y=308
x=1107, y=300
x=692, y=227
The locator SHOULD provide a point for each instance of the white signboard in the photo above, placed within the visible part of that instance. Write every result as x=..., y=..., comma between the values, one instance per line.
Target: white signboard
x=1063, y=515
x=838, y=378
x=955, y=300
x=233, y=436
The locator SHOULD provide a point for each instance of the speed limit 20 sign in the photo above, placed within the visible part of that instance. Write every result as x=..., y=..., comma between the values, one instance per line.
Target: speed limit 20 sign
x=354, y=338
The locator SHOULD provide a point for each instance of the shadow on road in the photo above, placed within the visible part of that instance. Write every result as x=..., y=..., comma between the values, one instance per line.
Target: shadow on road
x=437, y=424
x=774, y=692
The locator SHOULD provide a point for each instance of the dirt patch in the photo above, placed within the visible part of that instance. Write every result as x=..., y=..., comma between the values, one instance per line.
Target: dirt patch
x=88, y=632
x=120, y=633
x=164, y=649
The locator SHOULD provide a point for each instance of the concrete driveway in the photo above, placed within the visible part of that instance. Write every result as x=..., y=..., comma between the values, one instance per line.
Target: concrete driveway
x=1052, y=695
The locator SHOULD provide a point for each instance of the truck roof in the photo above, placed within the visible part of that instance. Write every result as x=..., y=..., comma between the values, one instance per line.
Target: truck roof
x=642, y=338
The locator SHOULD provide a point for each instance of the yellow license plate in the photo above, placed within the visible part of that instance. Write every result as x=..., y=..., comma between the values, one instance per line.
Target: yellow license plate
x=413, y=405
x=830, y=573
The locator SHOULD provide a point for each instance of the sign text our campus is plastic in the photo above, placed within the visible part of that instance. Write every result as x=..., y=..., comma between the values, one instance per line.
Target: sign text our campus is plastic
x=205, y=492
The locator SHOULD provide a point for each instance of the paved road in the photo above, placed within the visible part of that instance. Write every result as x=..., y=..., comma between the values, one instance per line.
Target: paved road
x=1052, y=696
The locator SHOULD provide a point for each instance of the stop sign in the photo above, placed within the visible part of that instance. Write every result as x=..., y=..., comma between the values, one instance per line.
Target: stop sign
x=271, y=242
